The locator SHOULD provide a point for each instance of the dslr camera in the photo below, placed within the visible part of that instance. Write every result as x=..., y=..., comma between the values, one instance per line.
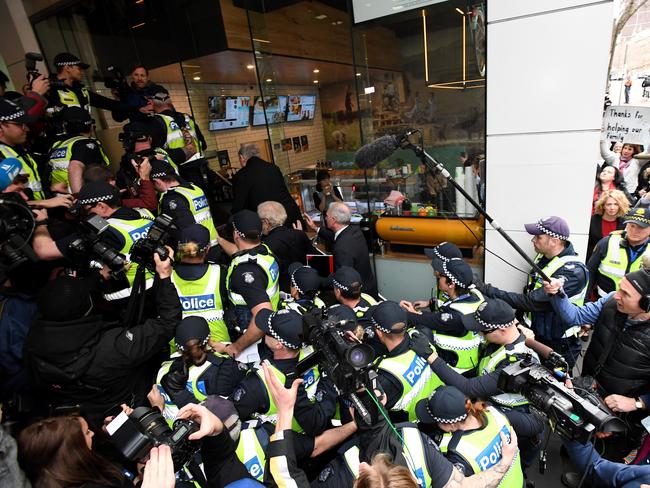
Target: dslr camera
x=116, y=81
x=136, y=434
x=16, y=227
x=89, y=245
x=32, y=72
x=574, y=414
x=143, y=250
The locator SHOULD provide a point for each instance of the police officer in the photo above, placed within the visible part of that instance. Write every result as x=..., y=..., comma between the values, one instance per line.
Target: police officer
x=472, y=433
x=304, y=284
x=442, y=252
x=126, y=226
x=455, y=344
x=557, y=258
x=174, y=131
x=70, y=156
x=201, y=286
x=283, y=330
x=495, y=321
x=346, y=282
x=194, y=372
x=403, y=375
x=184, y=202
x=252, y=279
x=619, y=253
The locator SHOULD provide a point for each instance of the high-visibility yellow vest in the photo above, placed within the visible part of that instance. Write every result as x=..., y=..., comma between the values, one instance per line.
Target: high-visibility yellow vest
x=175, y=136
x=68, y=98
x=551, y=267
x=271, y=415
x=364, y=304
x=251, y=450
x=199, y=207
x=269, y=265
x=202, y=297
x=195, y=385
x=60, y=157
x=28, y=167
x=482, y=448
x=615, y=264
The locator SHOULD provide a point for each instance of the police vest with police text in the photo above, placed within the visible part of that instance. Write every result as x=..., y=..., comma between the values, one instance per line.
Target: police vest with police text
x=416, y=377
x=512, y=354
x=175, y=136
x=555, y=264
x=61, y=154
x=482, y=448
x=616, y=264
x=68, y=98
x=466, y=348
x=251, y=449
x=199, y=207
x=202, y=297
x=270, y=267
x=131, y=231
x=29, y=168
x=195, y=385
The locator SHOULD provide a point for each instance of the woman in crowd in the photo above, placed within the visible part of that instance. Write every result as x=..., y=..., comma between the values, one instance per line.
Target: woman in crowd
x=472, y=432
x=625, y=162
x=57, y=453
x=325, y=193
x=608, y=216
x=608, y=178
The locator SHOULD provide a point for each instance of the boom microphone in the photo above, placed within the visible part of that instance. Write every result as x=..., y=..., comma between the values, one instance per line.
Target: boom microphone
x=375, y=152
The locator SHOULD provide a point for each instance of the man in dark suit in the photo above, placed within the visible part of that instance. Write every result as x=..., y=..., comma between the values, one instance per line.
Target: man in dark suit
x=348, y=243
x=287, y=245
x=259, y=181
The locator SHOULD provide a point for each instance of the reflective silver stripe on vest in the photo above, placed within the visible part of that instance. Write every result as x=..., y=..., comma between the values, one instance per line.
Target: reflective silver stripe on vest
x=126, y=292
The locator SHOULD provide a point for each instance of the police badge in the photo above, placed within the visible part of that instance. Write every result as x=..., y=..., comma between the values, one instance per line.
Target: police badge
x=248, y=277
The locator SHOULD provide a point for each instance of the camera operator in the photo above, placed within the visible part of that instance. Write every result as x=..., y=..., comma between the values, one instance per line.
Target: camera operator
x=283, y=331
x=195, y=372
x=184, y=202
x=618, y=356
x=557, y=258
x=80, y=359
x=496, y=322
x=79, y=150
x=176, y=132
x=126, y=226
x=455, y=344
x=34, y=98
x=403, y=374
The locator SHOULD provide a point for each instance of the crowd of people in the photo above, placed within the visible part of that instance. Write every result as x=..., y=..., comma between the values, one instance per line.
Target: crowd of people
x=143, y=344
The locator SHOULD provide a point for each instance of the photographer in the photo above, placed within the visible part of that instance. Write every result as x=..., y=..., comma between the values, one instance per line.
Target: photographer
x=80, y=359
x=283, y=331
x=76, y=152
x=125, y=227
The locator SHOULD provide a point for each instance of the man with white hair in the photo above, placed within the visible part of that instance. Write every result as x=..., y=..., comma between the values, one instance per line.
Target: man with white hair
x=259, y=181
x=287, y=245
x=348, y=243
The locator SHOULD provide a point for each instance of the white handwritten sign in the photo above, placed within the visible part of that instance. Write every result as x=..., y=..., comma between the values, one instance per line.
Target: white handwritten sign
x=627, y=123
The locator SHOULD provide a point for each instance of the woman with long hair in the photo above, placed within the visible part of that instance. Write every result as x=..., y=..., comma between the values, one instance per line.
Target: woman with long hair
x=608, y=216
x=625, y=162
x=57, y=453
x=608, y=178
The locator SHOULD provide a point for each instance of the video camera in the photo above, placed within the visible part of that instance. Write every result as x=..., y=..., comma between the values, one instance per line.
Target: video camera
x=143, y=250
x=116, y=81
x=134, y=436
x=16, y=227
x=574, y=415
x=89, y=244
x=349, y=364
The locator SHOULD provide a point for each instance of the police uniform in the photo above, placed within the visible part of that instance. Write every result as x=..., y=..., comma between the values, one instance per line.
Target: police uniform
x=613, y=257
x=77, y=148
x=471, y=451
x=306, y=282
x=443, y=252
x=252, y=397
x=403, y=375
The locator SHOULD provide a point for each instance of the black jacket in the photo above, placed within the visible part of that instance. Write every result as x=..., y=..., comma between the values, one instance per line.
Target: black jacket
x=259, y=182
x=596, y=232
x=288, y=246
x=98, y=364
x=350, y=249
x=625, y=369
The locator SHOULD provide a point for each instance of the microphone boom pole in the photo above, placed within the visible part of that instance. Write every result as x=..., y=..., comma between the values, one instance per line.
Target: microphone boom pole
x=434, y=166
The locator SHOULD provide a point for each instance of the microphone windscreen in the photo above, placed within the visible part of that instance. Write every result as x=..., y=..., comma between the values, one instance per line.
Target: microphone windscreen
x=373, y=153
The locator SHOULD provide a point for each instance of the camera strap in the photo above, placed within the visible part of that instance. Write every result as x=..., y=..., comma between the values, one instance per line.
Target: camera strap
x=135, y=308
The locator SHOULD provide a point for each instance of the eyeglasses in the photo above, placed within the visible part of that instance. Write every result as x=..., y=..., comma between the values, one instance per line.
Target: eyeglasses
x=20, y=124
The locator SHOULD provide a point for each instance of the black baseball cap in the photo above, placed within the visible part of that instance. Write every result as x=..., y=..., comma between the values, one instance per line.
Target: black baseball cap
x=139, y=127
x=305, y=278
x=639, y=216
x=285, y=326
x=160, y=169
x=97, y=191
x=76, y=114
x=195, y=233
x=346, y=278
x=446, y=405
x=388, y=317
x=247, y=224
x=442, y=252
x=343, y=313
x=192, y=328
x=68, y=59
x=14, y=113
x=492, y=314
x=457, y=271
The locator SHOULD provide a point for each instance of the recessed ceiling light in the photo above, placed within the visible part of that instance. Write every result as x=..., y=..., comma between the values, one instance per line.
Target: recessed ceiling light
x=250, y=66
x=321, y=17
x=315, y=81
x=196, y=78
x=269, y=80
x=358, y=74
x=316, y=70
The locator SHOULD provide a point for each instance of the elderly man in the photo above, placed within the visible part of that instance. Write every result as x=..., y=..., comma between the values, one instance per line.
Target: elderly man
x=348, y=243
x=287, y=245
x=259, y=181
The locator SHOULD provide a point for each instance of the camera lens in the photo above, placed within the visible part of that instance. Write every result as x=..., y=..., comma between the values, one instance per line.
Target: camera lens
x=360, y=356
